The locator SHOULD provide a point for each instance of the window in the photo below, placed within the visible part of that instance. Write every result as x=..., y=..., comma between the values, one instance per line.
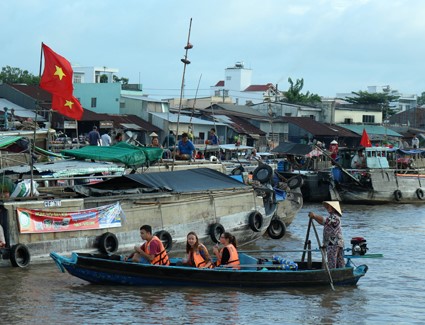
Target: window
x=288, y=114
x=93, y=102
x=77, y=79
x=368, y=119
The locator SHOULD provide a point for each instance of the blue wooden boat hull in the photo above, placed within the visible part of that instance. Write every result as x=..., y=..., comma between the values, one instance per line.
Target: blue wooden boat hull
x=111, y=270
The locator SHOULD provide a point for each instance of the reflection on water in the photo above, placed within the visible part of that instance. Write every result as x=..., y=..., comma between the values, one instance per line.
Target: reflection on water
x=391, y=292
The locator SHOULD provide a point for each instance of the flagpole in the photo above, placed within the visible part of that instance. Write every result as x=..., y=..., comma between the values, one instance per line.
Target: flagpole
x=37, y=102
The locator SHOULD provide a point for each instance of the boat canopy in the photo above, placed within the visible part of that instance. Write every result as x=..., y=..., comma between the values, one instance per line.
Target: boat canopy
x=182, y=181
x=131, y=156
x=297, y=149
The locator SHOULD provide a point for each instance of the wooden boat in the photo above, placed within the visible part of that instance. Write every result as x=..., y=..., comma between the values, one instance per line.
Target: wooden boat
x=253, y=272
x=386, y=178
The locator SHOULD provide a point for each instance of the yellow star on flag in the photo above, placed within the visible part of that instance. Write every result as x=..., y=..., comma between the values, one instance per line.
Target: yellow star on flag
x=69, y=104
x=59, y=72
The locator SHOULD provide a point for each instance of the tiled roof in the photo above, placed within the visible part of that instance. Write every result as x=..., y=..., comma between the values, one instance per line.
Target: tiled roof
x=258, y=87
x=312, y=126
x=118, y=119
x=33, y=91
x=219, y=84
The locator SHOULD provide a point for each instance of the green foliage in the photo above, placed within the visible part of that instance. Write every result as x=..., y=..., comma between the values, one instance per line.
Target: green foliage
x=122, y=80
x=295, y=96
x=14, y=75
x=381, y=100
x=103, y=79
x=421, y=99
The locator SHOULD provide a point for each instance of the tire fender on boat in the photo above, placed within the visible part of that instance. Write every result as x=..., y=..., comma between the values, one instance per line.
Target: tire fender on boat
x=398, y=195
x=216, y=230
x=420, y=194
x=263, y=173
x=255, y=221
x=166, y=239
x=108, y=243
x=276, y=229
x=20, y=255
x=294, y=182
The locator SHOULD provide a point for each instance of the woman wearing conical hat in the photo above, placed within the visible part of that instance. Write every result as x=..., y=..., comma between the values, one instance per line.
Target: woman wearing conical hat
x=332, y=233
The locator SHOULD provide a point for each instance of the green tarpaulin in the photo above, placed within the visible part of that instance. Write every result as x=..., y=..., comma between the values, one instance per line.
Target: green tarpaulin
x=131, y=156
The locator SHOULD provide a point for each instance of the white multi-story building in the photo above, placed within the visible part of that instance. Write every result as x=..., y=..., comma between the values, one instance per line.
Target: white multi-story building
x=93, y=74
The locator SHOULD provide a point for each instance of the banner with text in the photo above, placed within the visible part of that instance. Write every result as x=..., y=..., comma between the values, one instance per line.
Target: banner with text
x=40, y=221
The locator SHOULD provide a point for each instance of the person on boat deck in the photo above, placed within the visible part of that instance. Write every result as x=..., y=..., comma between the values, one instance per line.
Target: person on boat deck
x=185, y=148
x=155, y=143
x=197, y=253
x=332, y=233
x=228, y=255
x=2, y=239
x=152, y=251
x=358, y=160
x=212, y=139
x=333, y=148
x=94, y=137
x=415, y=142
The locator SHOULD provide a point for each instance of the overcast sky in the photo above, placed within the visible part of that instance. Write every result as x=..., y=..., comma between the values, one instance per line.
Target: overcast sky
x=335, y=45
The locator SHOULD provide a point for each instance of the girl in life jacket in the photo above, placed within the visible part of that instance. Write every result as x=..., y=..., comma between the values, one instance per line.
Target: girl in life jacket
x=197, y=253
x=228, y=255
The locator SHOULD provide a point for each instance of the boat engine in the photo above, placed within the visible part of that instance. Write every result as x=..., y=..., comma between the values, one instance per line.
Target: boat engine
x=359, y=246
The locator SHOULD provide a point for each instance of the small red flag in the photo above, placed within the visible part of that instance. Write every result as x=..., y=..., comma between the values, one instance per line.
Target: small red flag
x=57, y=73
x=68, y=106
x=365, y=141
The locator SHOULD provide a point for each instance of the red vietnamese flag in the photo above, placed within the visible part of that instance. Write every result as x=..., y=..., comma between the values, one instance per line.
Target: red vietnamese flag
x=57, y=74
x=365, y=141
x=68, y=106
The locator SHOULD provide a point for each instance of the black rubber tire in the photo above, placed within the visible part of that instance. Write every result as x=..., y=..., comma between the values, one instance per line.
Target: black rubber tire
x=294, y=182
x=216, y=230
x=20, y=255
x=263, y=174
x=420, y=194
x=108, y=243
x=255, y=221
x=166, y=239
x=398, y=195
x=276, y=229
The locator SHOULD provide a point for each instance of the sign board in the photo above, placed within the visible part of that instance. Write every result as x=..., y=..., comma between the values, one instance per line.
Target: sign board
x=70, y=124
x=106, y=124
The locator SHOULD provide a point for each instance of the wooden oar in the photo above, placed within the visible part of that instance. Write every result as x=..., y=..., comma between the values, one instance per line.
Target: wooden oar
x=324, y=257
x=306, y=238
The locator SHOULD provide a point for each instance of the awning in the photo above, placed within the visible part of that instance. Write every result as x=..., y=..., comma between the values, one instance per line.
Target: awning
x=131, y=126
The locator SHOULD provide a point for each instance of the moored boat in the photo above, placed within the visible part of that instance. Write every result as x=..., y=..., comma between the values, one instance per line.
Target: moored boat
x=385, y=178
x=253, y=272
x=201, y=200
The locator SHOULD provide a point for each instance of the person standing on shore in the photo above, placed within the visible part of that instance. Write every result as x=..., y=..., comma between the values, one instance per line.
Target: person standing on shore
x=332, y=233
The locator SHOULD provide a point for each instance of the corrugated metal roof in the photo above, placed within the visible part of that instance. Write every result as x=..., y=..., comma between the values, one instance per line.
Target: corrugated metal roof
x=20, y=111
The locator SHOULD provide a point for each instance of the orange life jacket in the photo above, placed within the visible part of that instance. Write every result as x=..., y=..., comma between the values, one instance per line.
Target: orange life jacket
x=234, y=257
x=162, y=257
x=196, y=257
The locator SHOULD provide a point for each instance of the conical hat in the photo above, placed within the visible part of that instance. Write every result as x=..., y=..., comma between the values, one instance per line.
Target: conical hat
x=335, y=205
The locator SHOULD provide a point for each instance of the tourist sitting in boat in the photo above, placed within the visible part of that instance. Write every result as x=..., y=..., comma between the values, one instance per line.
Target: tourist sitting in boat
x=228, y=255
x=185, y=148
x=358, y=160
x=332, y=233
x=151, y=252
x=197, y=253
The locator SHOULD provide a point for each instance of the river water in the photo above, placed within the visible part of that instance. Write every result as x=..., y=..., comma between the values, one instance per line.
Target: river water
x=392, y=292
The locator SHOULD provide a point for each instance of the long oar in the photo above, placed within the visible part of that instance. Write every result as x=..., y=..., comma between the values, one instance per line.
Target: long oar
x=324, y=257
x=306, y=239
